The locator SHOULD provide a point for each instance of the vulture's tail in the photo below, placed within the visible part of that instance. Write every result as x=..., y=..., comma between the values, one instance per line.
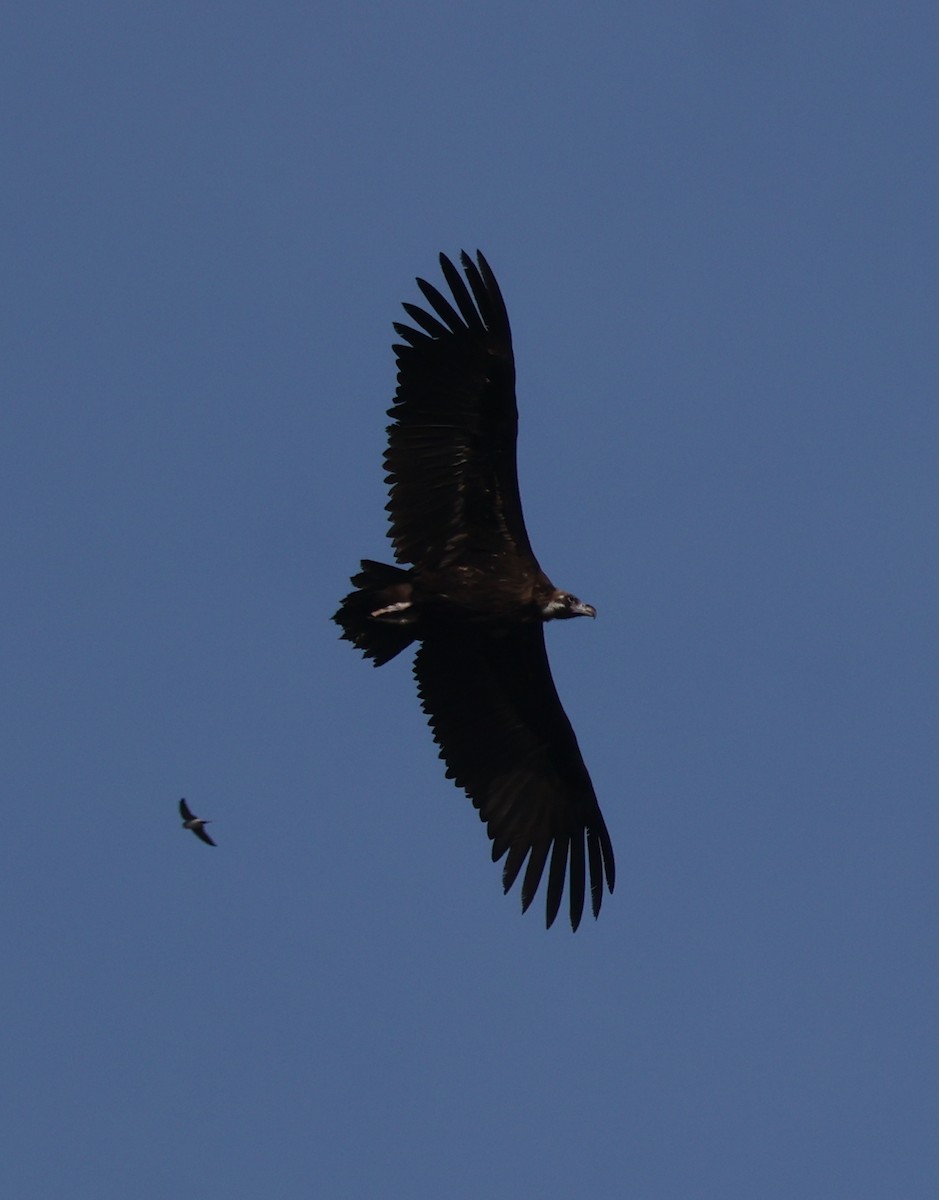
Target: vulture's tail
x=378, y=618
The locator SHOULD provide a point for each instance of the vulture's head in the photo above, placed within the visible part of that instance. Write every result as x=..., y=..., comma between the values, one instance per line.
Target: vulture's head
x=562, y=605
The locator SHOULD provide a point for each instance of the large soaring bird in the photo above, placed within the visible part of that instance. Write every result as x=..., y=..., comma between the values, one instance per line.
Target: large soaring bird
x=472, y=593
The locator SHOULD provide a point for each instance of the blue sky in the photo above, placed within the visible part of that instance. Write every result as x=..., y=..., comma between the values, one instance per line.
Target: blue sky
x=715, y=229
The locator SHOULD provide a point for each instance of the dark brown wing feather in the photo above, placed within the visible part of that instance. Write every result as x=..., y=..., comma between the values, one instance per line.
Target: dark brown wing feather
x=507, y=742
x=184, y=811
x=451, y=451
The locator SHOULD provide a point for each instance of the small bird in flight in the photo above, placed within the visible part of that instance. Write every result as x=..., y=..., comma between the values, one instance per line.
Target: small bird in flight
x=196, y=824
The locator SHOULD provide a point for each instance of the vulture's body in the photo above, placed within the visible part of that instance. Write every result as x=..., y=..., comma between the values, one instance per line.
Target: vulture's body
x=471, y=591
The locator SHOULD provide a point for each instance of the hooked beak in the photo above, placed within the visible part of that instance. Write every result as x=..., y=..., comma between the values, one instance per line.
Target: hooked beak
x=584, y=610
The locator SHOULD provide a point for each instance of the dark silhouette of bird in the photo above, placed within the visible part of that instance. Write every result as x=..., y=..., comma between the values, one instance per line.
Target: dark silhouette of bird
x=196, y=824
x=472, y=593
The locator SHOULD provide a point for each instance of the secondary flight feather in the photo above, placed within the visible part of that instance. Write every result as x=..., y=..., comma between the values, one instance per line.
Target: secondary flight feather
x=471, y=591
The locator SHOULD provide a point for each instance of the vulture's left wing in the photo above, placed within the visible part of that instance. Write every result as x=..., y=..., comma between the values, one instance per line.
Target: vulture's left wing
x=507, y=742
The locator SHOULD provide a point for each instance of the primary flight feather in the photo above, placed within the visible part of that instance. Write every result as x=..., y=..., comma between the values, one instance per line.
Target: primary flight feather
x=471, y=591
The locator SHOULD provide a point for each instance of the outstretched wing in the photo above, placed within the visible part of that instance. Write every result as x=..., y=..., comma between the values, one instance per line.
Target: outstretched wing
x=507, y=742
x=451, y=450
x=200, y=832
x=184, y=811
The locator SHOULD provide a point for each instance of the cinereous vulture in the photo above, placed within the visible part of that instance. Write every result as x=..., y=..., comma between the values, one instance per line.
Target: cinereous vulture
x=472, y=593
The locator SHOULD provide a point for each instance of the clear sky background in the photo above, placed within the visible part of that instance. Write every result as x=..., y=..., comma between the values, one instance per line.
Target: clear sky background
x=715, y=226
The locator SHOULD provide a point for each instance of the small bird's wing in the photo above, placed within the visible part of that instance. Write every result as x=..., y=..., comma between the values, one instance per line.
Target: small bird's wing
x=184, y=811
x=199, y=831
x=451, y=450
x=507, y=742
